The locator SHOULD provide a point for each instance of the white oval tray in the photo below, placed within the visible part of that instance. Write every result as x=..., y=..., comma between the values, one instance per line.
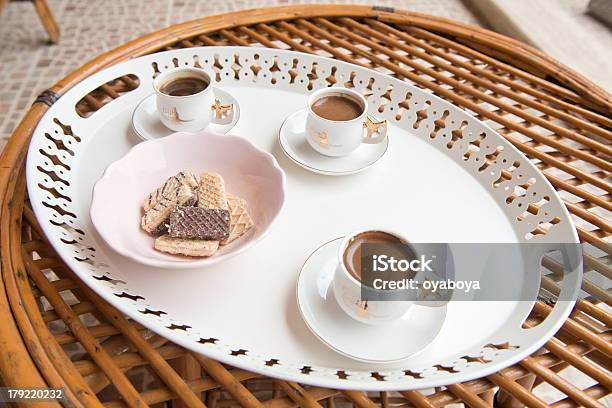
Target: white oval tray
x=243, y=312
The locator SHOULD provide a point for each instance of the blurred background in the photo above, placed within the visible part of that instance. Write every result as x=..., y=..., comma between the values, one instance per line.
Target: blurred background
x=572, y=31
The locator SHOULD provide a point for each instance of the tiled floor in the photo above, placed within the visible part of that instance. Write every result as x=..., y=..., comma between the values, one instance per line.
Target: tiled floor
x=28, y=66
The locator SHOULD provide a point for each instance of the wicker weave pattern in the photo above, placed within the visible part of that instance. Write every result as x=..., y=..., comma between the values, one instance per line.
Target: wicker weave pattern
x=554, y=116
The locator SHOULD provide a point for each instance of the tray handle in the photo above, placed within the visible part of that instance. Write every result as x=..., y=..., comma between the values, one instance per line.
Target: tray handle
x=553, y=302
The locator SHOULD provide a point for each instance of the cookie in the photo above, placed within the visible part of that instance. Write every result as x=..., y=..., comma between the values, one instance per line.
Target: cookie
x=211, y=193
x=189, y=247
x=240, y=220
x=155, y=220
x=172, y=184
x=199, y=223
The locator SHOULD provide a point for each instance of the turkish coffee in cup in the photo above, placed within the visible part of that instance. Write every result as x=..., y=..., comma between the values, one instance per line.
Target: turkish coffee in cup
x=184, y=99
x=338, y=107
x=388, y=245
x=338, y=122
x=184, y=86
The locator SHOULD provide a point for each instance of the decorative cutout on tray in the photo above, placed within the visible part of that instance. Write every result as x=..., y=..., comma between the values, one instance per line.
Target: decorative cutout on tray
x=68, y=229
x=412, y=374
x=477, y=359
x=440, y=367
x=457, y=134
x=85, y=260
x=153, y=312
x=59, y=210
x=439, y=123
x=272, y=362
x=377, y=376
x=54, y=193
x=66, y=130
x=421, y=115
x=306, y=370
x=55, y=159
x=128, y=296
x=183, y=327
x=59, y=143
x=498, y=168
x=474, y=148
x=110, y=280
x=341, y=374
x=502, y=346
x=210, y=340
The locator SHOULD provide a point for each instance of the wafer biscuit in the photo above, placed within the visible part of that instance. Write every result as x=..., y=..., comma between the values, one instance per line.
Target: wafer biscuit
x=172, y=184
x=211, y=193
x=155, y=220
x=240, y=220
x=190, y=247
x=199, y=223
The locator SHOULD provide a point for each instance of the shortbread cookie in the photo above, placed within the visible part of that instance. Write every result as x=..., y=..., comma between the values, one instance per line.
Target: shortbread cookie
x=199, y=223
x=155, y=220
x=173, y=183
x=240, y=220
x=211, y=193
x=189, y=247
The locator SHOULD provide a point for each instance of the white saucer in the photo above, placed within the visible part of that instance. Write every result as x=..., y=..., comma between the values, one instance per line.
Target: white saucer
x=147, y=126
x=369, y=343
x=292, y=139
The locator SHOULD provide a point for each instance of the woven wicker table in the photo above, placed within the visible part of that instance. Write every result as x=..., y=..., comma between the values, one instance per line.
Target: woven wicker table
x=556, y=117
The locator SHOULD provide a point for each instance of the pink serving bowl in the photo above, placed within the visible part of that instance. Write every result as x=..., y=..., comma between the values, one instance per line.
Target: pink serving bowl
x=248, y=172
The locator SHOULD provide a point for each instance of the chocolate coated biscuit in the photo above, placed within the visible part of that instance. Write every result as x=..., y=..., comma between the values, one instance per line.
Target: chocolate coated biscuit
x=199, y=223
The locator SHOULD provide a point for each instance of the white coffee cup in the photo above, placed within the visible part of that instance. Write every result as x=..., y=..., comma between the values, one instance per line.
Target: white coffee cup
x=341, y=137
x=348, y=290
x=188, y=113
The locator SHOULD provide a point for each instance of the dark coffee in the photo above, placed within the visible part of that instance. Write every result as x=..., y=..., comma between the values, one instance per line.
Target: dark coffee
x=389, y=245
x=184, y=86
x=337, y=107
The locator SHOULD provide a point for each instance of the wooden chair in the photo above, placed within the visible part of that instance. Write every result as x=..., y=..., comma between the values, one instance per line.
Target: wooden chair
x=45, y=15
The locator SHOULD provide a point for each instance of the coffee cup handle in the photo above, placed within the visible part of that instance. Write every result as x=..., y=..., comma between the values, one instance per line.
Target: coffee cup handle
x=222, y=112
x=376, y=131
